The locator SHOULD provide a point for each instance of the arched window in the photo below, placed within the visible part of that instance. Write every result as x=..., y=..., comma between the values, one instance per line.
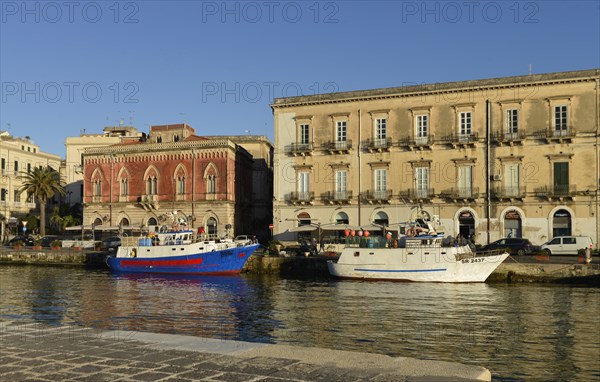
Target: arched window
x=211, y=184
x=381, y=218
x=303, y=219
x=124, y=187
x=152, y=221
x=512, y=224
x=211, y=226
x=342, y=218
x=97, y=222
x=124, y=222
x=561, y=223
x=151, y=185
x=97, y=187
x=181, y=185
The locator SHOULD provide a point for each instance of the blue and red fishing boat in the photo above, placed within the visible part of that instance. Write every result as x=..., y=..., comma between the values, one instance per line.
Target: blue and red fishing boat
x=181, y=252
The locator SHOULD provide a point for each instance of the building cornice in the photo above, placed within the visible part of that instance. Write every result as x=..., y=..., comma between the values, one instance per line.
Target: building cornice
x=440, y=88
x=160, y=147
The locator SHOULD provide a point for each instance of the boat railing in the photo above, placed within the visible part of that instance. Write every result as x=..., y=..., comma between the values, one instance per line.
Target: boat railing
x=471, y=254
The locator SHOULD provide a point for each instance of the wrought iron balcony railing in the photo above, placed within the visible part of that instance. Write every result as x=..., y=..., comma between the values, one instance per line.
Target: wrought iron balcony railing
x=508, y=192
x=338, y=146
x=378, y=144
x=299, y=149
x=418, y=194
x=337, y=196
x=301, y=197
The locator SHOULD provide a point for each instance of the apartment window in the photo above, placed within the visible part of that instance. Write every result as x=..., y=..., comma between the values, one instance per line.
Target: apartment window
x=380, y=128
x=211, y=184
x=175, y=138
x=561, y=178
x=422, y=181
x=151, y=186
x=511, y=179
x=3, y=194
x=560, y=119
x=3, y=166
x=422, y=122
x=181, y=185
x=465, y=123
x=16, y=168
x=23, y=147
x=380, y=183
x=28, y=148
x=28, y=168
x=124, y=187
x=30, y=198
x=17, y=197
x=341, y=134
x=34, y=150
x=303, y=182
x=305, y=134
x=159, y=139
x=465, y=181
x=341, y=189
x=512, y=122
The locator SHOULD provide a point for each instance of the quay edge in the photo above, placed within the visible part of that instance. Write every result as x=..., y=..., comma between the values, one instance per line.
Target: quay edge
x=106, y=352
x=316, y=266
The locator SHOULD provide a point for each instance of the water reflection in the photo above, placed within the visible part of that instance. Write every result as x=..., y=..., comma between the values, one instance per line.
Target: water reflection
x=520, y=332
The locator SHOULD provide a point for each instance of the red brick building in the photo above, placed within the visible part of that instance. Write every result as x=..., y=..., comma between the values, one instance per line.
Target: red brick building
x=173, y=175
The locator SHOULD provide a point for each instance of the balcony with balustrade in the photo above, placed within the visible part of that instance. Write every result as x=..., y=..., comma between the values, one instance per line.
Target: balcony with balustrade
x=338, y=147
x=299, y=149
x=458, y=194
x=509, y=193
x=377, y=196
x=556, y=192
x=461, y=140
x=504, y=138
x=418, y=195
x=336, y=197
x=378, y=145
x=554, y=135
x=417, y=143
x=300, y=198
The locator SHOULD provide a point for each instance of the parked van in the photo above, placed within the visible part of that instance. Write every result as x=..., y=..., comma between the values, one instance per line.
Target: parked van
x=566, y=245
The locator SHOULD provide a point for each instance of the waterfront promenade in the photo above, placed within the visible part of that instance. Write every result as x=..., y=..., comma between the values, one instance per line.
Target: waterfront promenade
x=39, y=352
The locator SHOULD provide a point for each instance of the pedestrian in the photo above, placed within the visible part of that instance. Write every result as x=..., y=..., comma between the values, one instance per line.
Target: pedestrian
x=588, y=254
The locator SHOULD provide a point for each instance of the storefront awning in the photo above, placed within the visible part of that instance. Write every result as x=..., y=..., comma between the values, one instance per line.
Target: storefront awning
x=303, y=228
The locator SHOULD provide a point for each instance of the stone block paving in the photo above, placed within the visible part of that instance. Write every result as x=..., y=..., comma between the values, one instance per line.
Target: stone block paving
x=39, y=352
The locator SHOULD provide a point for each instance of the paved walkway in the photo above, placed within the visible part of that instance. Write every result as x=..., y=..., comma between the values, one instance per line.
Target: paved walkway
x=39, y=352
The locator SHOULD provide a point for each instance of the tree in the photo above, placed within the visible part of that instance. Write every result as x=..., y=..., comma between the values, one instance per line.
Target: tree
x=43, y=183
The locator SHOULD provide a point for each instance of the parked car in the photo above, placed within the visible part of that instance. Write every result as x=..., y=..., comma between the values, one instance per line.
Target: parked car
x=241, y=240
x=47, y=240
x=27, y=241
x=517, y=246
x=566, y=245
x=111, y=243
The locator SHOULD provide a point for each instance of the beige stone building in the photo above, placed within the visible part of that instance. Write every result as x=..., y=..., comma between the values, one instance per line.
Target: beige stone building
x=75, y=146
x=17, y=156
x=488, y=158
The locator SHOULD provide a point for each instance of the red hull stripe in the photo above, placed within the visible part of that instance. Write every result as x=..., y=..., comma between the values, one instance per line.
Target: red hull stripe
x=160, y=263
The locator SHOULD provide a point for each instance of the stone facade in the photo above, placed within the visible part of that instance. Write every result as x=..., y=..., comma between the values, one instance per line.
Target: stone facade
x=489, y=158
x=17, y=156
x=172, y=175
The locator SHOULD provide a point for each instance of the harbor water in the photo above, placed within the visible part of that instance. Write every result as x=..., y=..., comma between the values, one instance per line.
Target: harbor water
x=539, y=332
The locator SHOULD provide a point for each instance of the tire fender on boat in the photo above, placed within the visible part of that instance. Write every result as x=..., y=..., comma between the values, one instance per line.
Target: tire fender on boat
x=410, y=232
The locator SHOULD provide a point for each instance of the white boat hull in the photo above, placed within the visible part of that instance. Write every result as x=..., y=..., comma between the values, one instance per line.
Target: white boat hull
x=448, y=264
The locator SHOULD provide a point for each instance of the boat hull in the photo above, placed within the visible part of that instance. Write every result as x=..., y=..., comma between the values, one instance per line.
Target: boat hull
x=403, y=265
x=219, y=262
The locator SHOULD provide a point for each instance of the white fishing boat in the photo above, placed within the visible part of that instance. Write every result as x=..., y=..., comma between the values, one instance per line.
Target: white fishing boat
x=426, y=257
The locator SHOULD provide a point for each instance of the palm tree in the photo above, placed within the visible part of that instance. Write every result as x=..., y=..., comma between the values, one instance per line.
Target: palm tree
x=43, y=183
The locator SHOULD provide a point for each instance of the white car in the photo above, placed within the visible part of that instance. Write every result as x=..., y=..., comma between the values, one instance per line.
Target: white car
x=242, y=240
x=566, y=245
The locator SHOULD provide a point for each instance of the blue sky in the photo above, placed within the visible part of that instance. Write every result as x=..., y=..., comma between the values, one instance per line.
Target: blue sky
x=69, y=66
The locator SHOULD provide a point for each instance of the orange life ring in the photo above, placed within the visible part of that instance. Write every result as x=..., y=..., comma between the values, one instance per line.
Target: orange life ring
x=410, y=232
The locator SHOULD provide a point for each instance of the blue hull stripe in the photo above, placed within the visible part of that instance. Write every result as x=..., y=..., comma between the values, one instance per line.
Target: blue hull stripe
x=400, y=270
